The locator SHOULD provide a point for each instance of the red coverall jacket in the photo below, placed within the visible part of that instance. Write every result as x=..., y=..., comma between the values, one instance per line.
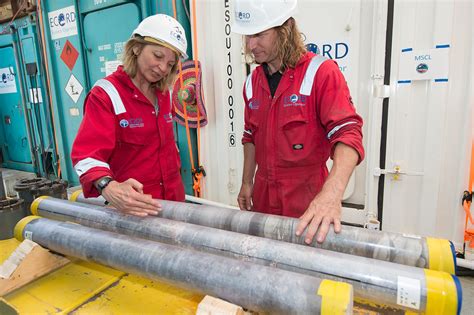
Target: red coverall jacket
x=122, y=136
x=295, y=132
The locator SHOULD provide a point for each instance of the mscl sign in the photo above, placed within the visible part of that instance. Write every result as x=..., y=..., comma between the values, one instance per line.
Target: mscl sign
x=425, y=64
x=62, y=22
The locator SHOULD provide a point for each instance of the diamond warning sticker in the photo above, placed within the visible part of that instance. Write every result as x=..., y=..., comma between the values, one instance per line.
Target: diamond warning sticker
x=69, y=55
x=74, y=88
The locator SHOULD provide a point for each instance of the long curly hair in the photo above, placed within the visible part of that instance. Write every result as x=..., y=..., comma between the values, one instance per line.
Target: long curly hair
x=289, y=45
x=130, y=64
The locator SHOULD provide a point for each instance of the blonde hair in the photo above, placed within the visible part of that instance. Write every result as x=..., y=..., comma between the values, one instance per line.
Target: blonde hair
x=289, y=45
x=133, y=48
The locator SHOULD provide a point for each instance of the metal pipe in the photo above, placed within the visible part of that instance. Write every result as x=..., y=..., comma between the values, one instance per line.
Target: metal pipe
x=3, y=195
x=465, y=263
x=202, y=201
x=411, y=250
x=100, y=201
x=252, y=286
x=377, y=282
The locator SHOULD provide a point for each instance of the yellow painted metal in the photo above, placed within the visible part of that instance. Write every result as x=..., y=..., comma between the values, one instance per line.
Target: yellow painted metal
x=440, y=255
x=442, y=297
x=35, y=204
x=20, y=226
x=75, y=194
x=336, y=297
x=137, y=295
x=63, y=290
x=88, y=288
x=7, y=247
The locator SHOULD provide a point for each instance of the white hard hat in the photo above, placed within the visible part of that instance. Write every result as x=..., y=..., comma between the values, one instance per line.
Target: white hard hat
x=255, y=16
x=165, y=30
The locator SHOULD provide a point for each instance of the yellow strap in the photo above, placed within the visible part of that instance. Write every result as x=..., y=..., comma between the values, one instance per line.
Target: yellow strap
x=35, y=204
x=75, y=194
x=440, y=255
x=20, y=226
x=336, y=297
x=442, y=296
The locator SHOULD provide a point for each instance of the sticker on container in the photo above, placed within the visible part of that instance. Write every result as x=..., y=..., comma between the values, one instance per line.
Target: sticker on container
x=74, y=111
x=7, y=81
x=69, y=55
x=35, y=96
x=425, y=64
x=408, y=292
x=111, y=66
x=29, y=235
x=62, y=22
x=74, y=88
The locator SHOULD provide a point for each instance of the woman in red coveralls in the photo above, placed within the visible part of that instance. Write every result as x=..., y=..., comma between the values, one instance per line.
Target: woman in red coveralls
x=125, y=148
x=298, y=113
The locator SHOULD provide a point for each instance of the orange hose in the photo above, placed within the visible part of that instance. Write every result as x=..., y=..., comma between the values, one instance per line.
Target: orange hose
x=196, y=175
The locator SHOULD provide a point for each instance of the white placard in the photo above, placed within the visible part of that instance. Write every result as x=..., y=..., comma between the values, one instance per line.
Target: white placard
x=35, y=96
x=62, y=22
x=408, y=292
x=74, y=88
x=424, y=64
x=111, y=66
x=74, y=111
x=7, y=81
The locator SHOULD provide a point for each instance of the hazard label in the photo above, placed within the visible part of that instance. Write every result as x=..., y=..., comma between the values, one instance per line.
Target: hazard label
x=69, y=55
x=74, y=88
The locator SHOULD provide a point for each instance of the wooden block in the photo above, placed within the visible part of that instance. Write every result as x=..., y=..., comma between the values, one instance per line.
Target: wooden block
x=27, y=263
x=214, y=306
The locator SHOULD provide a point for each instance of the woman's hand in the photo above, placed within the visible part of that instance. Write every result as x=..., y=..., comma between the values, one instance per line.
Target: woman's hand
x=129, y=198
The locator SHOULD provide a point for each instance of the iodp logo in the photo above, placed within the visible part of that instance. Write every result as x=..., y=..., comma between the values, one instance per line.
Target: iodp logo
x=124, y=123
x=242, y=16
x=61, y=19
x=294, y=100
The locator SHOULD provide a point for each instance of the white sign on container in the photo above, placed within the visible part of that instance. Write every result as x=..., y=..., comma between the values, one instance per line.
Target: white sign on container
x=35, y=96
x=111, y=66
x=74, y=88
x=7, y=81
x=424, y=64
x=62, y=22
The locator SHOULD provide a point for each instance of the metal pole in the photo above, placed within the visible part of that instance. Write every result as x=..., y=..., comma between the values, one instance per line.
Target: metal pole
x=411, y=250
x=3, y=195
x=376, y=282
x=252, y=286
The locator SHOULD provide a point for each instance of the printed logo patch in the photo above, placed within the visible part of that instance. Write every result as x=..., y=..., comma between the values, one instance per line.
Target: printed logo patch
x=255, y=104
x=136, y=123
x=124, y=123
x=298, y=146
x=168, y=117
x=243, y=16
x=294, y=100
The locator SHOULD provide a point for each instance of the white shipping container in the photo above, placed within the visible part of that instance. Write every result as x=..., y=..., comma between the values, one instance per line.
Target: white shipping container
x=426, y=127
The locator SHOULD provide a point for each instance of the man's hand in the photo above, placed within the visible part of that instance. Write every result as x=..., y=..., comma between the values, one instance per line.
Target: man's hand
x=322, y=211
x=245, y=196
x=129, y=198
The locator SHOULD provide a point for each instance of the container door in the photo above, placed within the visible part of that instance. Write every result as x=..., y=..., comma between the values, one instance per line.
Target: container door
x=15, y=145
x=105, y=34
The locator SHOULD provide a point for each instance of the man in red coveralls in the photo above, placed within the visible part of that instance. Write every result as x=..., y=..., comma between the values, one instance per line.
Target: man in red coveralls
x=125, y=148
x=298, y=113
